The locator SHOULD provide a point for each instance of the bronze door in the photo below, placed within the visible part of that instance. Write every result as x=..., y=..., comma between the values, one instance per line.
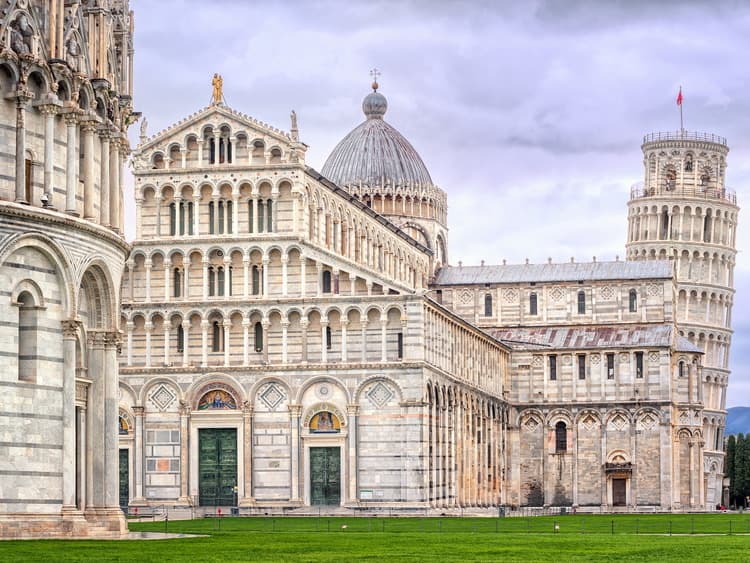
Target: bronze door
x=619, y=492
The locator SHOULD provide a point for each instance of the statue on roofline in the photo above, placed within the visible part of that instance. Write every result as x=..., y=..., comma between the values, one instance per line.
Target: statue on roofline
x=218, y=90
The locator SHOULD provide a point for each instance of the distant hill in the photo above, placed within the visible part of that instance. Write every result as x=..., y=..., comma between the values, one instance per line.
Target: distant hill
x=738, y=420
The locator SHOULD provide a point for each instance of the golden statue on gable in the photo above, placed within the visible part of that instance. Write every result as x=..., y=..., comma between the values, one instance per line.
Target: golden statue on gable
x=218, y=89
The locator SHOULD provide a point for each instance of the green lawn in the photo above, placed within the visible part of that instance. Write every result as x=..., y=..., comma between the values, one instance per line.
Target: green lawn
x=579, y=537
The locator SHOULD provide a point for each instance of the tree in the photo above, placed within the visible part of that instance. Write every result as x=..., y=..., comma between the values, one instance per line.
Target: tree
x=742, y=469
x=731, y=446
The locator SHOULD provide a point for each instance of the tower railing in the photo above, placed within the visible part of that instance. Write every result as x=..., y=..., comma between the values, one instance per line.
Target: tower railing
x=638, y=191
x=684, y=136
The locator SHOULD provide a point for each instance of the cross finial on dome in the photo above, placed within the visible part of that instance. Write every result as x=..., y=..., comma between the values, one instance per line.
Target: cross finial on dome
x=375, y=73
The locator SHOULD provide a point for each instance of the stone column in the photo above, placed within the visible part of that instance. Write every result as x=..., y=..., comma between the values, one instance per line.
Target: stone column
x=304, y=323
x=49, y=111
x=254, y=228
x=247, y=465
x=129, y=325
x=383, y=340
x=225, y=328
x=284, y=283
x=303, y=274
x=167, y=282
x=284, y=334
x=265, y=276
x=204, y=343
x=70, y=332
x=148, y=326
x=200, y=152
x=22, y=100
x=185, y=342
x=88, y=169
x=96, y=416
x=227, y=284
x=184, y=499
x=166, y=342
x=111, y=423
x=183, y=155
x=344, y=325
x=115, y=165
x=104, y=194
x=205, y=278
x=71, y=178
x=323, y=341
x=196, y=215
x=245, y=341
x=319, y=282
x=266, y=325
x=363, y=323
x=352, y=411
x=245, y=277
x=138, y=499
x=294, y=414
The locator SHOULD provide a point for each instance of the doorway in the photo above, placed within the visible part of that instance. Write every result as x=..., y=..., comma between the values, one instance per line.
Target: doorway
x=325, y=476
x=619, y=494
x=124, y=478
x=217, y=466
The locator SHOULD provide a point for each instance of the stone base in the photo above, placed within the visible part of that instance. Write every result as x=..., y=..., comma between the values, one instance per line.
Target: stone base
x=68, y=523
x=182, y=502
x=247, y=502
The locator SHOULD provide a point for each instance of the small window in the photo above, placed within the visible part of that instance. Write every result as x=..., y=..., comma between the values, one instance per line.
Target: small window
x=610, y=366
x=250, y=224
x=689, y=163
x=439, y=296
x=326, y=281
x=581, y=302
x=329, y=338
x=269, y=216
x=229, y=289
x=220, y=281
x=29, y=180
x=229, y=217
x=172, y=219
x=533, y=304
x=211, y=219
x=177, y=282
x=217, y=344
x=639, y=365
x=681, y=369
x=488, y=305
x=191, y=217
x=258, y=337
x=221, y=217
x=180, y=338
x=581, y=366
x=553, y=367
x=561, y=438
x=400, y=345
x=27, y=337
x=256, y=280
x=707, y=229
x=211, y=281
x=633, y=301
x=182, y=217
x=260, y=216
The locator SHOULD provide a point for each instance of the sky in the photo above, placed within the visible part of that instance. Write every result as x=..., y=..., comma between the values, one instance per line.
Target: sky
x=530, y=115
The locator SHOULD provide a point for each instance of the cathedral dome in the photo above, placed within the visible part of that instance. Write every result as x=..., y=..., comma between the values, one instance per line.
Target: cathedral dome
x=375, y=153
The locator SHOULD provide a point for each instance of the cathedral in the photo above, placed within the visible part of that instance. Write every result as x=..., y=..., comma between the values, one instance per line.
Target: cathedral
x=281, y=338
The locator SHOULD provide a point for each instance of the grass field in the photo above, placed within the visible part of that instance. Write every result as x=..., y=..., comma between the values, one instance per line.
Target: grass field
x=709, y=537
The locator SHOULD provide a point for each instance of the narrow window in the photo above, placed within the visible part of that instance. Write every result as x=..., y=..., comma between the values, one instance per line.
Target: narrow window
x=400, y=345
x=439, y=296
x=180, y=338
x=553, y=367
x=633, y=301
x=250, y=216
x=639, y=365
x=29, y=180
x=260, y=216
x=172, y=219
x=182, y=218
x=211, y=281
x=211, y=218
x=258, y=337
x=581, y=302
x=269, y=216
x=610, y=366
x=220, y=281
x=681, y=369
x=581, y=366
x=221, y=216
x=689, y=163
x=191, y=217
x=217, y=344
x=229, y=151
x=707, y=229
x=329, y=338
x=488, y=305
x=664, y=224
x=27, y=337
x=211, y=150
x=229, y=292
x=326, y=281
x=177, y=282
x=561, y=438
x=221, y=150
x=256, y=280
x=532, y=304
x=229, y=217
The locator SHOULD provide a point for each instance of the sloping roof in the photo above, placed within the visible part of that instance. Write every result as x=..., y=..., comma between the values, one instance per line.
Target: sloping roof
x=587, y=337
x=572, y=271
x=684, y=345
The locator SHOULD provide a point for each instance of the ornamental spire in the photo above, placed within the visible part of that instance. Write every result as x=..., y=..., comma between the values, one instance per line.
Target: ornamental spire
x=375, y=73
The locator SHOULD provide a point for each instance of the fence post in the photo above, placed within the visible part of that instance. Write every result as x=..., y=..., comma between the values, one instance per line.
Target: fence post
x=613, y=527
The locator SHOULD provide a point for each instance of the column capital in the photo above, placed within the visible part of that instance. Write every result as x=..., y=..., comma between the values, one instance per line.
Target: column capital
x=184, y=408
x=72, y=116
x=295, y=410
x=247, y=409
x=48, y=108
x=138, y=411
x=353, y=409
x=70, y=329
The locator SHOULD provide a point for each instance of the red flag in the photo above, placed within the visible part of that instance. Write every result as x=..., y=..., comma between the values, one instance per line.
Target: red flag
x=679, y=97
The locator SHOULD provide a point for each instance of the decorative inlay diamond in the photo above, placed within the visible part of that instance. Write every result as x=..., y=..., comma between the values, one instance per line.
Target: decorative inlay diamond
x=595, y=358
x=379, y=394
x=272, y=396
x=654, y=290
x=618, y=422
x=624, y=358
x=163, y=397
x=465, y=297
x=647, y=422
x=531, y=424
x=537, y=360
x=684, y=417
x=510, y=295
x=653, y=357
x=607, y=293
x=588, y=422
x=557, y=294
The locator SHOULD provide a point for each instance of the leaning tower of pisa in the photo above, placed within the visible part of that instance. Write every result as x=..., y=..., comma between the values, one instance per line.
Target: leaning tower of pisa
x=684, y=212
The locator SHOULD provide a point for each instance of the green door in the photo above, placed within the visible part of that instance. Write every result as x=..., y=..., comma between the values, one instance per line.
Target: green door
x=124, y=479
x=217, y=466
x=325, y=476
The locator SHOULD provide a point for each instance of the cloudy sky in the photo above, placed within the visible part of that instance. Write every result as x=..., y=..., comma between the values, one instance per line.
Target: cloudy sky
x=530, y=115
